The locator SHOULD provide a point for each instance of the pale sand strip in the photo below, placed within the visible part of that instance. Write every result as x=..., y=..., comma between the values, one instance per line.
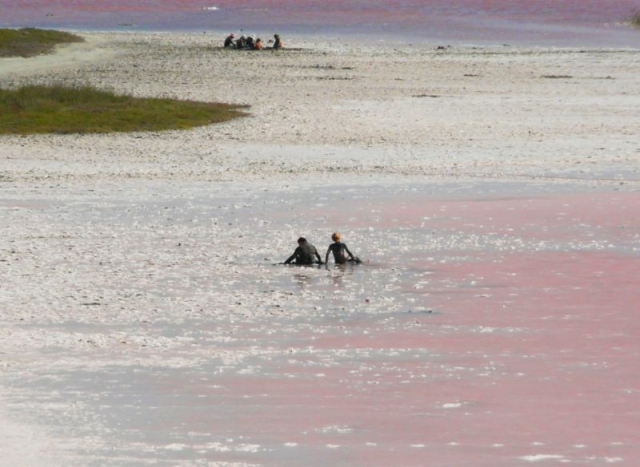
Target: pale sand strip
x=93, y=49
x=498, y=112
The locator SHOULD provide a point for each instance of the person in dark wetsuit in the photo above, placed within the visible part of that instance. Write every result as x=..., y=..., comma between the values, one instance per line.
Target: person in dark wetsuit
x=339, y=249
x=278, y=42
x=228, y=42
x=304, y=253
x=241, y=43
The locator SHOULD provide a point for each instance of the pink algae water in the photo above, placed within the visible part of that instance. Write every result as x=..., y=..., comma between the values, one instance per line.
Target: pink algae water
x=542, y=22
x=494, y=325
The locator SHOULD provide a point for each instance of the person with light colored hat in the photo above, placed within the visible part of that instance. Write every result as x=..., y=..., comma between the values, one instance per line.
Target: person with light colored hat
x=339, y=250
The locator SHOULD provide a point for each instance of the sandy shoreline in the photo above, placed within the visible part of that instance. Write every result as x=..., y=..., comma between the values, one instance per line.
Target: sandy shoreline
x=457, y=112
x=139, y=291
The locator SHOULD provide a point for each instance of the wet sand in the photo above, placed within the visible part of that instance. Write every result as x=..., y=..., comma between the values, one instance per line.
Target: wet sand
x=493, y=194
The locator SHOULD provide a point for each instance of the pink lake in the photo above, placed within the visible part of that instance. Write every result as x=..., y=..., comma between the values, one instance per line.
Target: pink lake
x=488, y=327
x=573, y=23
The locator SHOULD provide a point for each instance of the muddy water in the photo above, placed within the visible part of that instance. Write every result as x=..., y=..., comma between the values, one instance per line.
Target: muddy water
x=492, y=324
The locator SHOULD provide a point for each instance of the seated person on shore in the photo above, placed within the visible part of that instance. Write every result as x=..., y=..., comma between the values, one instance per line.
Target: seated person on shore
x=228, y=42
x=250, y=42
x=278, y=42
x=339, y=249
x=258, y=44
x=304, y=254
x=241, y=42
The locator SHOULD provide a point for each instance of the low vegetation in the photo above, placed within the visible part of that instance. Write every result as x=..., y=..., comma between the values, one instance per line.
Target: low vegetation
x=557, y=76
x=83, y=109
x=29, y=42
x=635, y=19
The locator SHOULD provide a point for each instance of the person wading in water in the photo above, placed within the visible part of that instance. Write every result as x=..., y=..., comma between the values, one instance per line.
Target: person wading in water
x=304, y=254
x=339, y=249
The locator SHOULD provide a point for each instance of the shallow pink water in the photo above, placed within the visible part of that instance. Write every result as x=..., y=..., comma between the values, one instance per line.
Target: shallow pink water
x=527, y=356
x=543, y=22
x=529, y=353
x=520, y=349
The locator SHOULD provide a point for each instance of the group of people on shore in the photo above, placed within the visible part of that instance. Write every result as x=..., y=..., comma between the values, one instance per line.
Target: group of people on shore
x=251, y=42
x=307, y=254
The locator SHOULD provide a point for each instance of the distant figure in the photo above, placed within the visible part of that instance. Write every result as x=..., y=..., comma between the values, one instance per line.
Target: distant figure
x=304, y=254
x=228, y=42
x=278, y=42
x=241, y=42
x=339, y=249
x=258, y=44
x=250, y=42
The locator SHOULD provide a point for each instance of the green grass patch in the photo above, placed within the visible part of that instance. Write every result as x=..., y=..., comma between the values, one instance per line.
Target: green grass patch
x=556, y=76
x=29, y=42
x=84, y=109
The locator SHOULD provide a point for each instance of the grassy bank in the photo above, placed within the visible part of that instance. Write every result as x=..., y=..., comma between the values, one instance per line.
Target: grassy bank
x=60, y=109
x=29, y=42
x=635, y=19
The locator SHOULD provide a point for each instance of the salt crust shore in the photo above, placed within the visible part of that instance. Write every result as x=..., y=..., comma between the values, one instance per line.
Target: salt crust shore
x=488, y=112
x=323, y=116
